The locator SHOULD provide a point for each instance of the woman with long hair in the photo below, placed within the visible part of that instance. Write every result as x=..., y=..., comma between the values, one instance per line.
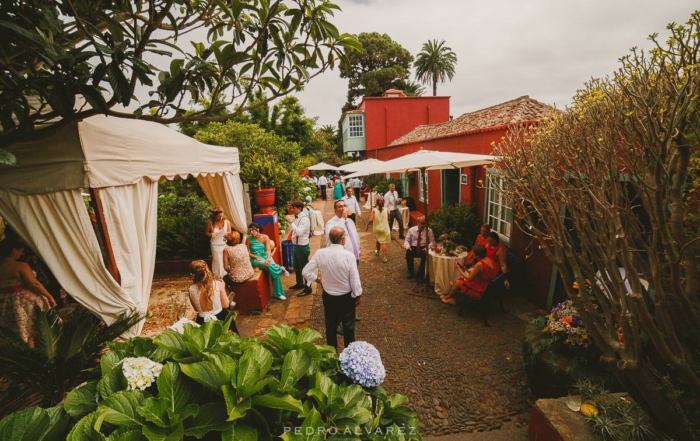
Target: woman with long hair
x=474, y=281
x=208, y=296
x=218, y=229
x=260, y=252
x=20, y=292
x=380, y=228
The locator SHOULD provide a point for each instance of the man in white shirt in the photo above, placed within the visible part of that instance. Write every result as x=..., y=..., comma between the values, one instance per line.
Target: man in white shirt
x=391, y=202
x=352, y=204
x=342, y=220
x=357, y=186
x=322, y=183
x=301, y=229
x=419, y=239
x=342, y=290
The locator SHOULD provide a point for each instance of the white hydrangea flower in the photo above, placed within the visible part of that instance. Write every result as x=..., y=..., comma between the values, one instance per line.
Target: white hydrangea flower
x=140, y=372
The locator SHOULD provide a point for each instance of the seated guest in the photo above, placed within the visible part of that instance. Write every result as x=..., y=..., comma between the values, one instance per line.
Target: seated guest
x=236, y=260
x=417, y=241
x=482, y=239
x=260, y=253
x=208, y=296
x=497, y=251
x=20, y=291
x=474, y=281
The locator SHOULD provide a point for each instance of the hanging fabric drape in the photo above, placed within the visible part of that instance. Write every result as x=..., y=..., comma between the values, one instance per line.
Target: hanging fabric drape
x=131, y=215
x=226, y=191
x=58, y=228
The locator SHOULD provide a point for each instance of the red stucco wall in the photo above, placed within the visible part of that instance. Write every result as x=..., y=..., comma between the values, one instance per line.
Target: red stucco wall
x=387, y=119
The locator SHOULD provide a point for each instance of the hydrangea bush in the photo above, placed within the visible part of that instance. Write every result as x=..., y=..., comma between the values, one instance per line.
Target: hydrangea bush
x=210, y=383
x=564, y=320
x=361, y=362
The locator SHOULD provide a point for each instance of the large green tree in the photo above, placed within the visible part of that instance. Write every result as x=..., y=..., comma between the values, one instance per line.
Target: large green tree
x=66, y=60
x=380, y=66
x=435, y=63
x=612, y=185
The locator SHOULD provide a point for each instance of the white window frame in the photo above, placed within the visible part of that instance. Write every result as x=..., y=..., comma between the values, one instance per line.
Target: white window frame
x=498, y=215
x=356, y=126
x=423, y=180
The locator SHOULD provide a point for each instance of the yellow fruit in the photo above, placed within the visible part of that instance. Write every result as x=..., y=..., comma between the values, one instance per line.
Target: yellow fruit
x=589, y=410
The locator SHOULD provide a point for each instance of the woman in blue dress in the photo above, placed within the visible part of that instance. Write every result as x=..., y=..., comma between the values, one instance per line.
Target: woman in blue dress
x=260, y=251
x=338, y=189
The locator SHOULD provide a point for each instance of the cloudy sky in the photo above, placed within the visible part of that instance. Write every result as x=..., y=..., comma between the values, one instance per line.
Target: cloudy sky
x=546, y=49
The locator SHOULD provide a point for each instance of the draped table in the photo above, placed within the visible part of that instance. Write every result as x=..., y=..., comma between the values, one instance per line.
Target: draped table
x=440, y=270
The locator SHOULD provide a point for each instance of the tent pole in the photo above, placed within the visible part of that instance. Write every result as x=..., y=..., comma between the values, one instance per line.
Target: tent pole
x=103, y=236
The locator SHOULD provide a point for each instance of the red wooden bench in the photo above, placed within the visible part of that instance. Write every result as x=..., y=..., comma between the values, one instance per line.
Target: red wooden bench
x=254, y=293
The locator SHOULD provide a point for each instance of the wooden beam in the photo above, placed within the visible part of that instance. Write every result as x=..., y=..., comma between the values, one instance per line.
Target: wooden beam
x=103, y=235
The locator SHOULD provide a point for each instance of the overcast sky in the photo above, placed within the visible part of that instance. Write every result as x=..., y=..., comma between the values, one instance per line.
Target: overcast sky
x=505, y=49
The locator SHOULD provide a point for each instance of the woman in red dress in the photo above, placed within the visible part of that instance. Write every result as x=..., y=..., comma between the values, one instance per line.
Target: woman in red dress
x=474, y=281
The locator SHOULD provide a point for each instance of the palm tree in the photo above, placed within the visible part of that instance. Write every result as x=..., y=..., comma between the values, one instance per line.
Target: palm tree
x=435, y=62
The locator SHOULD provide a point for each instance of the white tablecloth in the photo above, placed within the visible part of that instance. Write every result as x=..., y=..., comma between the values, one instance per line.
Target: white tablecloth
x=441, y=270
x=371, y=198
x=317, y=223
x=406, y=216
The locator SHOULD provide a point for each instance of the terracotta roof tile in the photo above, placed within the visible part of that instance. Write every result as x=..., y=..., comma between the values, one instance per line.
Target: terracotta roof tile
x=511, y=112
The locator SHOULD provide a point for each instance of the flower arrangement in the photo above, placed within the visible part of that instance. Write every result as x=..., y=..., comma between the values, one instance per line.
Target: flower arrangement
x=449, y=246
x=564, y=320
x=361, y=362
x=140, y=372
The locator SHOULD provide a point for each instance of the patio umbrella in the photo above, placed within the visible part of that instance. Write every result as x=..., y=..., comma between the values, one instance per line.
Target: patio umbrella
x=322, y=166
x=426, y=160
x=360, y=165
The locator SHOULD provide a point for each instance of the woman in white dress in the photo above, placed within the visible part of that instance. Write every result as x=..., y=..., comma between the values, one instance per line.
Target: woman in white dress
x=218, y=229
x=208, y=296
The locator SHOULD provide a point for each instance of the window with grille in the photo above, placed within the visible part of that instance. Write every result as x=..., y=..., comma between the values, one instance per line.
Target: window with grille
x=423, y=186
x=356, y=126
x=498, y=214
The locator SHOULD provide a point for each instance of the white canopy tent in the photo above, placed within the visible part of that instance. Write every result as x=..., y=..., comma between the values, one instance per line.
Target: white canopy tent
x=425, y=160
x=359, y=165
x=322, y=166
x=122, y=160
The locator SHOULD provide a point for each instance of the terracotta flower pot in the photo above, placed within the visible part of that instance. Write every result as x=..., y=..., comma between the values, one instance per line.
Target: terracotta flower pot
x=264, y=199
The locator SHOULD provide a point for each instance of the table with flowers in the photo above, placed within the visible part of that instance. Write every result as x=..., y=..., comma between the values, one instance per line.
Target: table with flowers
x=440, y=270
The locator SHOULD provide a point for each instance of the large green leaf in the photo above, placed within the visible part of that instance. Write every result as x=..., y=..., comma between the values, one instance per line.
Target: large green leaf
x=211, y=416
x=312, y=429
x=81, y=401
x=125, y=434
x=296, y=364
x=85, y=430
x=160, y=434
x=7, y=158
x=226, y=363
x=120, y=409
x=253, y=365
x=278, y=401
x=174, y=387
x=25, y=425
x=205, y=373
x=155, y=410
x=173, y=341
x=239, y=432
x=235, y=408
x=113, y=379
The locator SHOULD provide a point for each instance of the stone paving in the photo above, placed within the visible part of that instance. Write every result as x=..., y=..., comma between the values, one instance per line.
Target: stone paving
x=459, y=375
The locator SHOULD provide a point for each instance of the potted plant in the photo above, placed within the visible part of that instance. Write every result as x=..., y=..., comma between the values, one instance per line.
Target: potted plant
x=264, y=174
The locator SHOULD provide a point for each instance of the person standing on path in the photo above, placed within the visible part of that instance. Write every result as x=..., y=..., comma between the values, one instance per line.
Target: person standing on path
x=301, y=230
x=218, y=229
x=391, y=201
x=342, y=220
x=357, y=187
x=353, y=206
x=322, y=183
x=418, y=240
x=380, y=228
x=340, y=281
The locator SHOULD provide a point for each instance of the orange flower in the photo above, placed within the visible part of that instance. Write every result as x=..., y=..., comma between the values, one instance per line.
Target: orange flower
x=567, y=320
x=575, y=285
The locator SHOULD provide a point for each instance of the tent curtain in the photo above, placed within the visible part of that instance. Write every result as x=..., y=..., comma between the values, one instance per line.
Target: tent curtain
x=226, y=191
x=131, y=215
x=58, y=228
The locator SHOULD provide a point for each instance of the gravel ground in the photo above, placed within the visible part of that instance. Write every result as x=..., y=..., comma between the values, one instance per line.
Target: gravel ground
x=459, y=375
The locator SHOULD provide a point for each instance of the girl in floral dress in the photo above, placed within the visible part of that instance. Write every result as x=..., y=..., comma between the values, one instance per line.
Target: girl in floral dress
x=20, y=292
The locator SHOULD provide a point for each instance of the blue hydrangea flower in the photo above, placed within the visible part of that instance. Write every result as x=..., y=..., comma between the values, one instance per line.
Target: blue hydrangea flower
x=361, y=362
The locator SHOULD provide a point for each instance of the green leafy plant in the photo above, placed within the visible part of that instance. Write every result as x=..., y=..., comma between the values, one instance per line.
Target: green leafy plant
x=181, y=223
x=380, y=184
x=214, y=384
x=64, y=355
x=457, y=218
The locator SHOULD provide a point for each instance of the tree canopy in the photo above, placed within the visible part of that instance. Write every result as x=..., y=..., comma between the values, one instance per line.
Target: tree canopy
x=63, y=61
x=435, y=63
x=380, y=66
x=624, y=164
